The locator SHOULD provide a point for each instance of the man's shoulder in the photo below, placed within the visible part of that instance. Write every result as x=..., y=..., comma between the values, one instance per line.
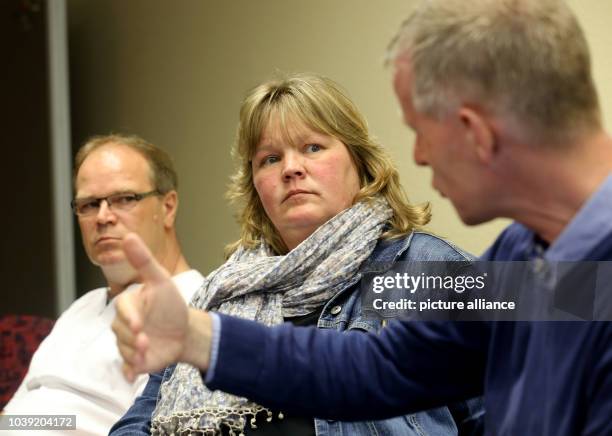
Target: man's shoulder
x=90, y=302
x=94, y=298
x=188, y=282
x=512, y=244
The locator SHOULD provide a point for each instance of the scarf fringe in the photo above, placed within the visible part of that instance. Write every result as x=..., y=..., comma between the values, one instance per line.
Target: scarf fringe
x=208, y=421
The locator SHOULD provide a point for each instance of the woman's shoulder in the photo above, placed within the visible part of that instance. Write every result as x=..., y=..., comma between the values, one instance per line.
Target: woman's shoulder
x=425, y=246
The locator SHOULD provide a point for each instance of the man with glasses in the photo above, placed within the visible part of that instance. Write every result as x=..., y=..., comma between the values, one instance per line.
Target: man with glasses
x=122, y=184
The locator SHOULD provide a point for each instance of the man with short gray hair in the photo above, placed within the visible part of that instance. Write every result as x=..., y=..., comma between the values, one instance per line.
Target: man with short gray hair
x=500, y=96
x=122, y=184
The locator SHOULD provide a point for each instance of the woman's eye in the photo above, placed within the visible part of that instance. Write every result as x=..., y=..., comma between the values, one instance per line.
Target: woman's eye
x=313, y=148
x=269, y=160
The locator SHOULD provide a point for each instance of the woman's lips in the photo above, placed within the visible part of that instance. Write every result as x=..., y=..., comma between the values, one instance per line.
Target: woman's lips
x=295, y=192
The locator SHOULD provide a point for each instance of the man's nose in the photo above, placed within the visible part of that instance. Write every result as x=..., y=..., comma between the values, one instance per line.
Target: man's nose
x=293, y=166
x=105, y=214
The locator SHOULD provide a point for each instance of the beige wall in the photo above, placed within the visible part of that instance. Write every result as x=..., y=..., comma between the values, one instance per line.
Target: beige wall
x=594, y=15
x=175, y=72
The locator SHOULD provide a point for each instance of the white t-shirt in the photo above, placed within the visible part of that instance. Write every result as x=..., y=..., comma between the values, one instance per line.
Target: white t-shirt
x=77, y=368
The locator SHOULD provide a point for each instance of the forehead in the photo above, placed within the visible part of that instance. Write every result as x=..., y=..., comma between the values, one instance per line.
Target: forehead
x=286, y=130
x=112, y=168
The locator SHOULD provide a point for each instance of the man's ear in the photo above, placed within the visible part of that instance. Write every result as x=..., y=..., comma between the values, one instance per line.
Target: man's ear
x=170, y=205
x=479, y=133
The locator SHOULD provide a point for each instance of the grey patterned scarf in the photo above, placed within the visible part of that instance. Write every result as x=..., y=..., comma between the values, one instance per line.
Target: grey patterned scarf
x=254, y=284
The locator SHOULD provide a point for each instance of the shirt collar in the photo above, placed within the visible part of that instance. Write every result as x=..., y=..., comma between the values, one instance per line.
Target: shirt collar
x=591, y=225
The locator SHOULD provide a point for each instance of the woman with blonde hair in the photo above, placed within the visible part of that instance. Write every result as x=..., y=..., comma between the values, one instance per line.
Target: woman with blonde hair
x=320, y=199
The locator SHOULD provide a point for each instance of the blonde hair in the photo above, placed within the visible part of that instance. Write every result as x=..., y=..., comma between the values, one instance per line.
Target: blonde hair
x=524, y=59
x=323, y=106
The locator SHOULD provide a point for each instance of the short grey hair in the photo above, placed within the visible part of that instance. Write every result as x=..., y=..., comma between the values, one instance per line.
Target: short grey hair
x=523, y=59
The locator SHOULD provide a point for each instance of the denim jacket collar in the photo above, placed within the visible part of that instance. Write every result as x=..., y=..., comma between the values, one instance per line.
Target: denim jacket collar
x=386, y=253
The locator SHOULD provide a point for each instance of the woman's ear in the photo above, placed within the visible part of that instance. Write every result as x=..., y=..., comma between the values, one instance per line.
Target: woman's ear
x=479, y=133
x=170, y=205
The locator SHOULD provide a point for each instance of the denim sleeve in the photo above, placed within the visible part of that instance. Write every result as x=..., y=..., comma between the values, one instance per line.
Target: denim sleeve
x=137, y=420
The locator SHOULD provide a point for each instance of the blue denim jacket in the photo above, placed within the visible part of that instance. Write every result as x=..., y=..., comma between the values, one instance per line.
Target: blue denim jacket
x=343, y=312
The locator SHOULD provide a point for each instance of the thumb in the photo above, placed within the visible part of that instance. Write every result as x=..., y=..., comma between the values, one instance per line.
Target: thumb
x=141, y=259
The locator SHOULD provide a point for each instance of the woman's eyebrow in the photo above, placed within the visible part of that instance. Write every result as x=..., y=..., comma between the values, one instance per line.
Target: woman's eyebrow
x=268, y=146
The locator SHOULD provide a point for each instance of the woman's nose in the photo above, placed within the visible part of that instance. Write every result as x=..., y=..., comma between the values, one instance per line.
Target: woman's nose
x=293, y=166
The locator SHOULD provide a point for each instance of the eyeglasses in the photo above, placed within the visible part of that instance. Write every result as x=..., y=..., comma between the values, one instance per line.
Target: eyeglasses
x=122, y=201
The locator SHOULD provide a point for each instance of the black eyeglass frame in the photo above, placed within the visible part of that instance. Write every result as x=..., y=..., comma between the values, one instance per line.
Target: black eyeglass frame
x=138, y=196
